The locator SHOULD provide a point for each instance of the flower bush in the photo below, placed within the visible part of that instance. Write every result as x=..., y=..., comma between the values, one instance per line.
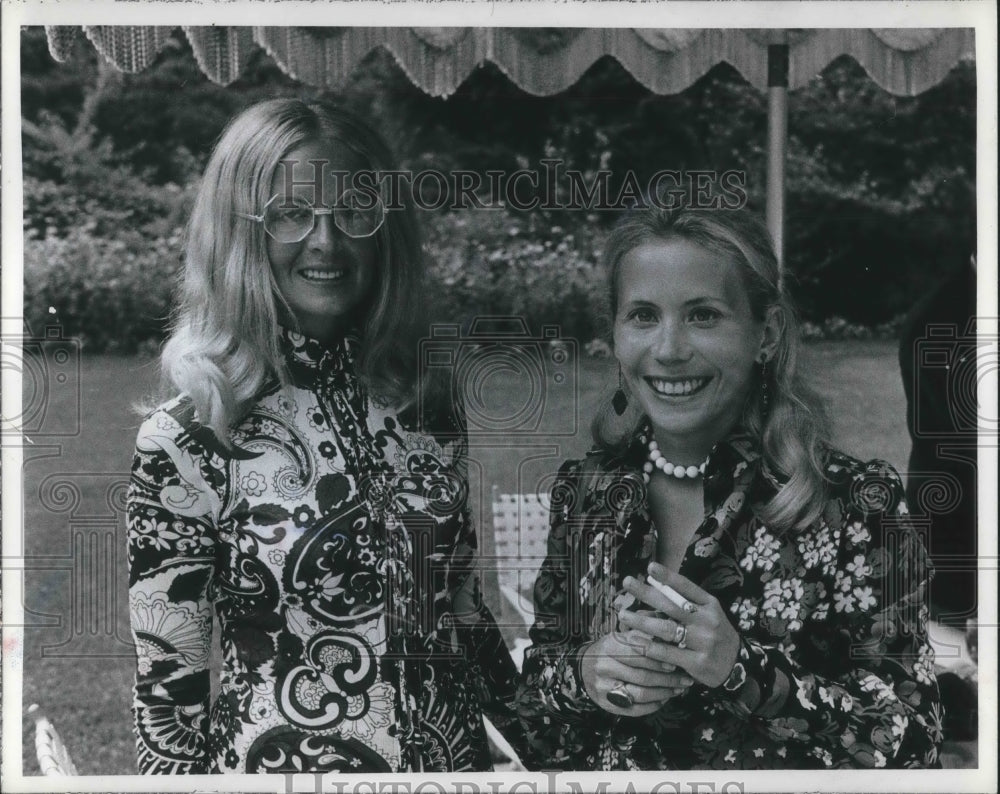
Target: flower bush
x=493, y=263
x=112, y=294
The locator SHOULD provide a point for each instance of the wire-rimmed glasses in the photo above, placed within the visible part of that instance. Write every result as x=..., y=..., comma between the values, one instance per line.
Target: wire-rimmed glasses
x=357, y=214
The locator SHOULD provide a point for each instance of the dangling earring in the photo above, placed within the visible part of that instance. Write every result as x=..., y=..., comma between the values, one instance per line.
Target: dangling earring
x=620, y=400
x=765, y=387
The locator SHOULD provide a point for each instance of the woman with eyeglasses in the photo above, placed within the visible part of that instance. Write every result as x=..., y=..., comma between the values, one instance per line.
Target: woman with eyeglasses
x=297, y=489
x=723, y=589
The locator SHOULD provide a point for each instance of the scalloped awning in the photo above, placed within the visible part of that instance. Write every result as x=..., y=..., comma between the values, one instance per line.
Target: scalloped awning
x=545, y=61
x=541, y=61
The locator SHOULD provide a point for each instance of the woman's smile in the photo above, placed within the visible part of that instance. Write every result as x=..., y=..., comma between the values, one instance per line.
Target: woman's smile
x=677, y=387
x=323, y=276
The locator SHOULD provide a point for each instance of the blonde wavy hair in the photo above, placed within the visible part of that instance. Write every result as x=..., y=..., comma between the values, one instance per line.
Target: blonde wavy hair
x=793, y=433
x=223, y=350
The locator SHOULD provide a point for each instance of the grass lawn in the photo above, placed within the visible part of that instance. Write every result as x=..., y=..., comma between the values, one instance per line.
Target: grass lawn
x=77, y=657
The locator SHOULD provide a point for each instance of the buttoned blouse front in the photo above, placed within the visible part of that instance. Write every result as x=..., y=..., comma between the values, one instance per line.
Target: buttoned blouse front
x=834, y=667
x=333, y=542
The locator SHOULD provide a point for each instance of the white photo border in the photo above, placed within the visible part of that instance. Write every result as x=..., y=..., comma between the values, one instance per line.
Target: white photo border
x=572, y=13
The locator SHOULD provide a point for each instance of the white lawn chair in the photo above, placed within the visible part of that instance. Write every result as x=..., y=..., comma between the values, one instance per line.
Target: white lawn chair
x=53, y=757
x=520, y=533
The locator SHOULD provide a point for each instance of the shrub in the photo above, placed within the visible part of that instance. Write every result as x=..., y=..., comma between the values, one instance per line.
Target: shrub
x=72, y=176
x=492, y=262
x=120, y=202
x=111, y=294
x=115, y=294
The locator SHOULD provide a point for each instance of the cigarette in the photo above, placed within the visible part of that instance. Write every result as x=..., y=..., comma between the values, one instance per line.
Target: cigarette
x=668, y=591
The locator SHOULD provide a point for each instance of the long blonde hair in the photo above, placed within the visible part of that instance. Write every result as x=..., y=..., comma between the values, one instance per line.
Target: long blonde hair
x=793, y=432
x=224, y=347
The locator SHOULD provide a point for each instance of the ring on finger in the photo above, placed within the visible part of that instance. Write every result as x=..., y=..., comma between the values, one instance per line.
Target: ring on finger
x=680, y=636
x=621, y=697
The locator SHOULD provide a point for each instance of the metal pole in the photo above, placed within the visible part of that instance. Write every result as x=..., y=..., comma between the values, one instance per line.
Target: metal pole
x=777, y=143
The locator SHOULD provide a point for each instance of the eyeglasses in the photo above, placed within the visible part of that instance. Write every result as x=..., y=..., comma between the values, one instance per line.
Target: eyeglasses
x=290, y=220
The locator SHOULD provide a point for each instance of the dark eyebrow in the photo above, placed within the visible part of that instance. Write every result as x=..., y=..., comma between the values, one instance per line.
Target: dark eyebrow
x=706, y=299
x=639, y=302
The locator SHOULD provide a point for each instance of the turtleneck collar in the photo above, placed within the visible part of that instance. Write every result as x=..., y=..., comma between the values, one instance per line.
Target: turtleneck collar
x=307, y=357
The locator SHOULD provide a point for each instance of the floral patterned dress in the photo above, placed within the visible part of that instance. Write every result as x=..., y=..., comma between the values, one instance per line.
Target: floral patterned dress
x=334, y=545
x=834, y=670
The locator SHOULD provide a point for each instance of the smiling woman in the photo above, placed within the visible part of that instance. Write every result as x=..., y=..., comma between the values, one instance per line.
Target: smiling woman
x=325, y=274
x=686, y=338
x=288, y=490
x=734, y=591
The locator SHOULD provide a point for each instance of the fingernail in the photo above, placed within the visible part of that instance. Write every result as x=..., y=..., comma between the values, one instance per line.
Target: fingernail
x=628, y=581
x=687, y=681
x=634, y=637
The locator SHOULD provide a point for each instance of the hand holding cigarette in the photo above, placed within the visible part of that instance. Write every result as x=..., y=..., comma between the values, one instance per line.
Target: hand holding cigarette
x=672, y=594
x=690, y=628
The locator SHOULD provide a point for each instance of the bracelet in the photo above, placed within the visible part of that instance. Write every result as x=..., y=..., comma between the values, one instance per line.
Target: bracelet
x=745, y=692
x=737, y=677
x=578, y=669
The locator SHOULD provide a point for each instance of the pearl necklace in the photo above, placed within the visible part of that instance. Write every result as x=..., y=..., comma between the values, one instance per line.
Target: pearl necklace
x=657, y=461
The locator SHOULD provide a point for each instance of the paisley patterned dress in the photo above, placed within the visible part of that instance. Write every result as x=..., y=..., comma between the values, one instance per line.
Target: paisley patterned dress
x=834, y=670
x=333, y=543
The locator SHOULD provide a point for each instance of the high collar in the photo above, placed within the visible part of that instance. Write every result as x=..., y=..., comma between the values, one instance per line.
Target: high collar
x=308, y=358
